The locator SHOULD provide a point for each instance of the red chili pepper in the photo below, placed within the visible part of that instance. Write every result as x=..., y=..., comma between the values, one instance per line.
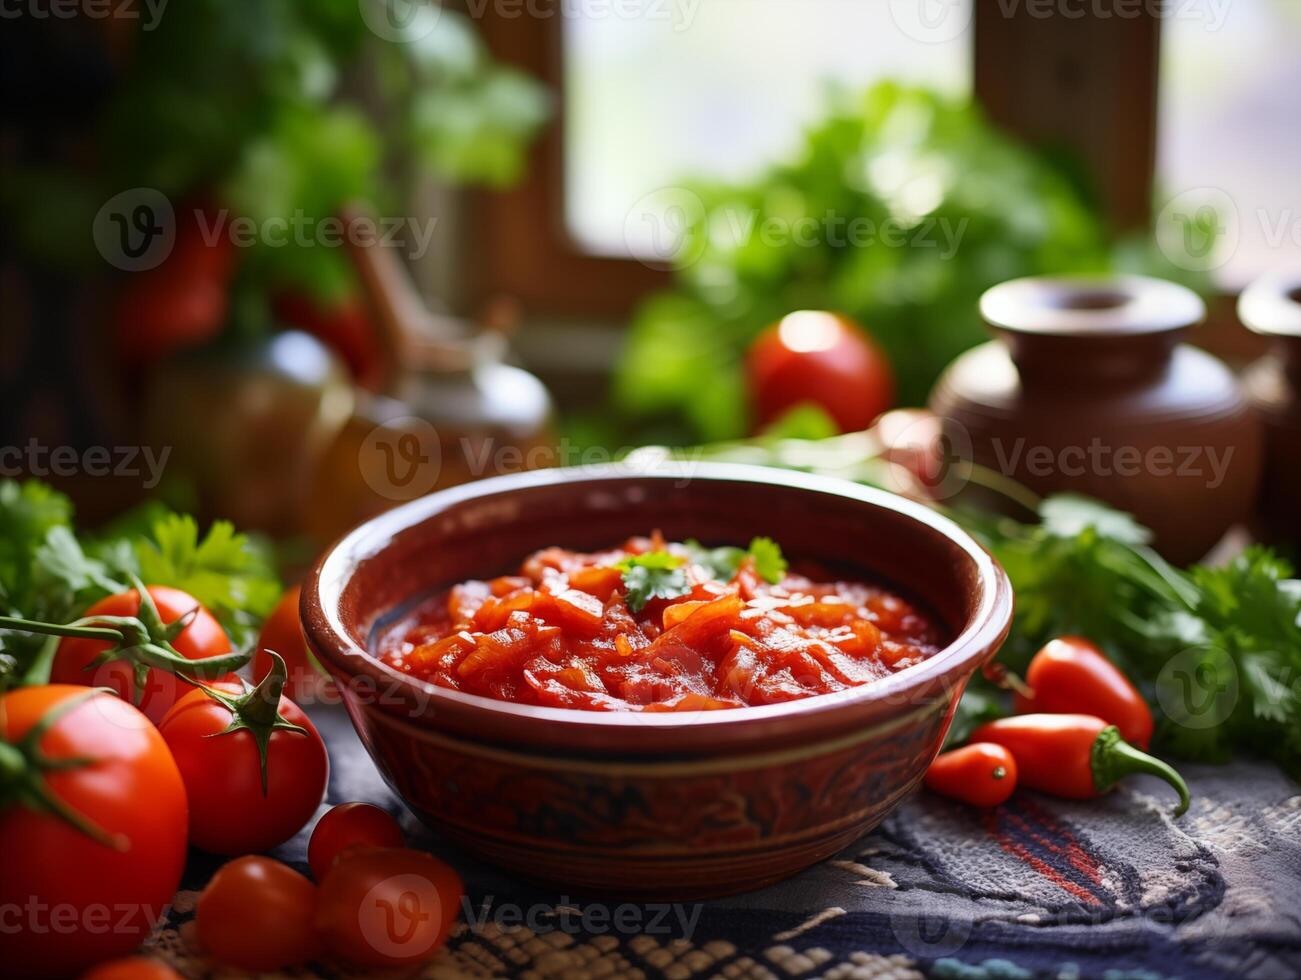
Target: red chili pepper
x=1075, y=756
x=1070, y=674
x=982, y=774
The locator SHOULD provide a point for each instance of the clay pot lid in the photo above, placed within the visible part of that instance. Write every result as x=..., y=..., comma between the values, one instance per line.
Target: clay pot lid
x=1272, y=306
x=1083, y=306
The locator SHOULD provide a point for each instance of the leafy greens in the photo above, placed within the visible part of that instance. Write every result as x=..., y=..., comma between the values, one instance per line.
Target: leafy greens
x=653, y=575
x=662, y=575
x=48, y=573
x=1216, y=649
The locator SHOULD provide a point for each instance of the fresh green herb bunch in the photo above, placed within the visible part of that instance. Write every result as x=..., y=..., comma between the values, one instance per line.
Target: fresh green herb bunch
x=955, y=207
x=285, y=110
x=49, y=573
x=1216, y=649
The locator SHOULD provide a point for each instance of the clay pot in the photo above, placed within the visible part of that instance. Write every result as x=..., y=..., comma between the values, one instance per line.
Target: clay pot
x=1272, y=307
x=1089, y=389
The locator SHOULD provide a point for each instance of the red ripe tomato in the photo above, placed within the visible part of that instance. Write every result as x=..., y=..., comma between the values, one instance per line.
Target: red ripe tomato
x=70, y=899
x=343, y=325
x=256, y=914
x=283, y=633
x=232, y=809
x=387, y=908
x=204, y=637
x=132, y=968
x=348, y=826
x=821, y=358
x=181, y=302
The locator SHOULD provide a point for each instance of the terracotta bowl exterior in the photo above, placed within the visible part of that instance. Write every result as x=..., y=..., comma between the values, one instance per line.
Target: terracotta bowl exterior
x=673, y=806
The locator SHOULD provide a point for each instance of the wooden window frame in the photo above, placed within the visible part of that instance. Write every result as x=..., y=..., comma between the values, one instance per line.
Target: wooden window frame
x=517, y=238
x=1084, y=85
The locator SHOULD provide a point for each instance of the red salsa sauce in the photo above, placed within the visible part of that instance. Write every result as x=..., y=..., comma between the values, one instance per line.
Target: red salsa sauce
x=656, y=626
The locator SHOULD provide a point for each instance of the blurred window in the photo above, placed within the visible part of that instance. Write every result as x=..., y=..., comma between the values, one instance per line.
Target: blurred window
x=1228, y=135
x=720, y=88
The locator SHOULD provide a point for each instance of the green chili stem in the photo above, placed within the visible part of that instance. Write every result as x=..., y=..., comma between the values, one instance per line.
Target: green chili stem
x=1113, y=758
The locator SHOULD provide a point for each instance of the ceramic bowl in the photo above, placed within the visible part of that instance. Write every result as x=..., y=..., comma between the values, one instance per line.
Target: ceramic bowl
x=676, y=806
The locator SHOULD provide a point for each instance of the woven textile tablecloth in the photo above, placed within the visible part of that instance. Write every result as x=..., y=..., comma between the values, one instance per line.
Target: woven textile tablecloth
x=1039, y=887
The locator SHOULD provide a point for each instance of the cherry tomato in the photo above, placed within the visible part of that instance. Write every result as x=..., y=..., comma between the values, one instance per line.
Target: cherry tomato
x=1072, y=675
x=132, y=968
x=256, y=914
x=821, y=358
x=982, y=774
x=283, y=633
x=388, y=907
x=204, y=637
x=79, y=896
x=348, y=826
x=232, y=810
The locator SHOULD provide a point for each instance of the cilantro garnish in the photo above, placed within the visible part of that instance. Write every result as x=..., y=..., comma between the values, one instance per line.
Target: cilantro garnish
x=723, y=562
x=653, y=575
x=769, y=561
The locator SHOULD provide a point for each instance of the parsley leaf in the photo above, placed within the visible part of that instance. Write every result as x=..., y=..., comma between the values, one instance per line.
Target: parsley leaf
x=227, y=572
x=28, y=512
x=769, y=561
x=654, y=575
x=1068, y=515
x=1221, y=639
x=723, y=562
x=60, y=560
x=44, y=574
x=720, y=563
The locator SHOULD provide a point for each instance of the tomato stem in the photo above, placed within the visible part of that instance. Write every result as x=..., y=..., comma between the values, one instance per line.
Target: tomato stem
x=1114, y=758
x=12, y=765
x=23, y=767
x=141, y=641
x=257, y=710
x=56, y=629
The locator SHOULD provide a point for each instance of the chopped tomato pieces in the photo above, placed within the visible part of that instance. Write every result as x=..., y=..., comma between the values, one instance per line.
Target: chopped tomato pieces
x=561, y=633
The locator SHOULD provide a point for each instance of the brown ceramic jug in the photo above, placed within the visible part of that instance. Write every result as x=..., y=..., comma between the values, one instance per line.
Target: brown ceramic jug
x=1089, y=389
x=450, y=410
x=1272, y=307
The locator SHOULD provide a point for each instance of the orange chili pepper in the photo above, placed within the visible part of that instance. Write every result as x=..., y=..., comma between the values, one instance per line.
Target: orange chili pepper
x=1071, y=675
x=982, y=774
x=1075, y=756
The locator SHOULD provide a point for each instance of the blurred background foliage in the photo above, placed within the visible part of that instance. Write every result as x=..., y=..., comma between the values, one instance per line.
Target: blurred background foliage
x=281, y=107
x=949, y=206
